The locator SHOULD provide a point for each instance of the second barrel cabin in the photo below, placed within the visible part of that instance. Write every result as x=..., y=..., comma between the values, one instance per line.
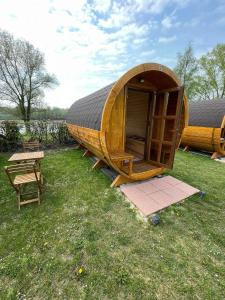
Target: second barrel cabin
x=206, y=130
x=134, y=124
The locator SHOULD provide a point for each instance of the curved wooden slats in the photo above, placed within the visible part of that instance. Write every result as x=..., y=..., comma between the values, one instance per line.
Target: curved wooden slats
x=101, y=143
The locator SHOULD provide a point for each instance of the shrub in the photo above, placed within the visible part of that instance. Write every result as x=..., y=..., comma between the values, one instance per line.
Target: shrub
x=59, y=133
x=38, y=130
x=49, y=134
x=10, y=136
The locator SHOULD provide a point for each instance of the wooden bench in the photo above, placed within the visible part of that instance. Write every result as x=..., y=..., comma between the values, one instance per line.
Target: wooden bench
x=121, y=157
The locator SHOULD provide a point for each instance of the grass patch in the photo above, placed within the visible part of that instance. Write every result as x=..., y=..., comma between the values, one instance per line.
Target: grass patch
x=84, y=241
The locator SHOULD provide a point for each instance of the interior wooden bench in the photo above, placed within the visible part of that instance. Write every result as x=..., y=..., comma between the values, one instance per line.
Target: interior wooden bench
x=122, y=156
x=136, y=146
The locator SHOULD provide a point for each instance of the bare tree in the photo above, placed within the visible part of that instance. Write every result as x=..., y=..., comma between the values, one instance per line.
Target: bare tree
x=23, y=76
x=186, y=69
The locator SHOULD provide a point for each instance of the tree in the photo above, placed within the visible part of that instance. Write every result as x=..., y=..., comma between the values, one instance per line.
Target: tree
x=48, y=113
x=23, y=76
x=211, y=79
x=186, y=69
x=204, y=79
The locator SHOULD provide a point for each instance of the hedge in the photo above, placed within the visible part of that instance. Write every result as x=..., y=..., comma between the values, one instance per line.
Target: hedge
x=49, y=134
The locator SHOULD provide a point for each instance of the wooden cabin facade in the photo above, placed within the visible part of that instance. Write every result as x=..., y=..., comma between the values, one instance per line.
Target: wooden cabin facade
x=206, y=130
x=134, y=124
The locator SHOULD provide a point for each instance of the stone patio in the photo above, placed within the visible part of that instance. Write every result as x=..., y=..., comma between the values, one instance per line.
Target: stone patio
x=156, y=194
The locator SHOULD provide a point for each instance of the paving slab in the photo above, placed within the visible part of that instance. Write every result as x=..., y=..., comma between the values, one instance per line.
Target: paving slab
x=221, y=159
x=155, y=194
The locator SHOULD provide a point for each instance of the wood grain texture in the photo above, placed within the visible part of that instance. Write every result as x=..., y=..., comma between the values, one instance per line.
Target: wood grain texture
x=204, y=138
x=16, y=157
x=119, y=120
x=136, y=117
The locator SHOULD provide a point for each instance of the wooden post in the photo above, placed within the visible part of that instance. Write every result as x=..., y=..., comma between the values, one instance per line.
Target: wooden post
x=88, y=153
x=80, y=147
x=98, y=164
x=150, y=127
x=120, y=179
x=215, y=155
x=162, y=130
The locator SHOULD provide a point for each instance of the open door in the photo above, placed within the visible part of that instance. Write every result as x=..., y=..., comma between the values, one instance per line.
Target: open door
x=163, y=126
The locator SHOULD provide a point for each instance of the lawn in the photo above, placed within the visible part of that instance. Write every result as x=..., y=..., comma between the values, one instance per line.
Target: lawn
x=85, y=242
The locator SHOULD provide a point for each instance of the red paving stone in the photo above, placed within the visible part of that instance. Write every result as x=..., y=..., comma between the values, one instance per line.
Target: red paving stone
x=147, y=188
x=157, y=193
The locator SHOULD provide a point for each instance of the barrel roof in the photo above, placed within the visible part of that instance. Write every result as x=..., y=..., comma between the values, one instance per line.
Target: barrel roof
x=207, y=113
x=87, y=111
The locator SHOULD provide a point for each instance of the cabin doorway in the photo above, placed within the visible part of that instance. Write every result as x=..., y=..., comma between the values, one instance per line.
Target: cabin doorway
x=152, y=124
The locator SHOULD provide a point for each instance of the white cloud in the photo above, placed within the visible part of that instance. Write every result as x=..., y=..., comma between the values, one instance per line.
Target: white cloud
x=158, y=6
x=170, y=22
x=101, y=6
x=167, y=22
x=119, y=16
x=85, y=51
x=140, y=41
x=168, y=39
x=148, y=53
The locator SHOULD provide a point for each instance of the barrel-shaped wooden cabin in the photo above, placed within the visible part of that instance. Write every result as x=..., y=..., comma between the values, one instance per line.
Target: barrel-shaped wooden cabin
x=206, y=130
x=134, y=124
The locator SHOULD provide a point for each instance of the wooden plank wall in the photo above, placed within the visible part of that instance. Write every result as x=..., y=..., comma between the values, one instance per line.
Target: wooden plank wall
x=88, y=137
x=203, y=138
x=137, y=109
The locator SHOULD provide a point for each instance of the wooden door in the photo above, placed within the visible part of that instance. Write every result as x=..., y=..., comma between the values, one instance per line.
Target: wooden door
x=163, y=126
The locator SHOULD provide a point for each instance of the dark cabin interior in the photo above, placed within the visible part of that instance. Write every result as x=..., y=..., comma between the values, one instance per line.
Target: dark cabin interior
x=152, y=120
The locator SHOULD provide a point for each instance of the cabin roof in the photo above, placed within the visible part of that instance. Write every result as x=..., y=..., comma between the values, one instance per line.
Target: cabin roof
x=87, y=111
x=207, y=113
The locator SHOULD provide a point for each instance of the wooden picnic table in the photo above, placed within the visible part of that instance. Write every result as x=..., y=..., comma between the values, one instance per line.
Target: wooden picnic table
x=27, y=156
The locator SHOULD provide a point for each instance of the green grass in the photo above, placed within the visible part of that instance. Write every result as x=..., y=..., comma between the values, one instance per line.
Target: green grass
x=83, y=223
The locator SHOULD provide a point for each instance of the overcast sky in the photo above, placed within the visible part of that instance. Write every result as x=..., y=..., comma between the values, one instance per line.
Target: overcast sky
x=90, y=43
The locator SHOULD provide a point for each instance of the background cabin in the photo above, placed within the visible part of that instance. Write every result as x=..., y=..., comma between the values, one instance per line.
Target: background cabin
x=206, y=127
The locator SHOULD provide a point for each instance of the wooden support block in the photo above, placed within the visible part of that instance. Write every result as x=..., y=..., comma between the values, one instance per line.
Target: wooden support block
x=120, y=179
x=186, y=148
x=80, y=147
x=98, y=164
x=216, y=155
x=76, y=147
x=87, y=153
